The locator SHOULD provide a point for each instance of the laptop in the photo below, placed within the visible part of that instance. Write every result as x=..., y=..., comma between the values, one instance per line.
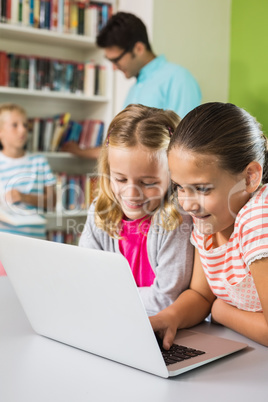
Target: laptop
x=88, y=299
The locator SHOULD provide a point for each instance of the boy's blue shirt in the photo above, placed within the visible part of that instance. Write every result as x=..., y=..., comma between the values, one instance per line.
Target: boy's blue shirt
x=165, y=85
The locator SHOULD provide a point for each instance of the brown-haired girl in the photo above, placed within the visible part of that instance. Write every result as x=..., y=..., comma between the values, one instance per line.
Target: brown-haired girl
x=218, y=163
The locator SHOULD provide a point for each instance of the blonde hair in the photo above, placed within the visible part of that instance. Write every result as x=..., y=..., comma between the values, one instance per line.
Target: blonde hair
x=11, y=107
x=135, y=125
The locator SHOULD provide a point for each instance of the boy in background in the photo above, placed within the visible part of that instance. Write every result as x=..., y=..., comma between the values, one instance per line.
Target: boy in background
x=27, y=185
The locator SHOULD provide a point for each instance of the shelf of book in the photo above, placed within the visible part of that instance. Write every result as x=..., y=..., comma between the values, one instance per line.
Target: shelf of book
x=47, y=101
x=53, y=95
x=9, y=31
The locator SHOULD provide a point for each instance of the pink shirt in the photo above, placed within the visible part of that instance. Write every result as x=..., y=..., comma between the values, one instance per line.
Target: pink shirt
x=2, y=271
x=133, y=246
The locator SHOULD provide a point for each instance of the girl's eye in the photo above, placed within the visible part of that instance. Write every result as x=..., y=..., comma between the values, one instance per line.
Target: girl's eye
x=176, y=187
x=149, y=184
x=203, y=190
x=121, y=180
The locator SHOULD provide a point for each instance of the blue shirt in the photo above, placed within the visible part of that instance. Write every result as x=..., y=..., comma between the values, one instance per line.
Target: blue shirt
x=165, y=85
x=29, y=174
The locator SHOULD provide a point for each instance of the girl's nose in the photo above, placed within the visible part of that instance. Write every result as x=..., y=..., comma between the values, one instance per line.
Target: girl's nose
x=132, y=191
x=190, y=204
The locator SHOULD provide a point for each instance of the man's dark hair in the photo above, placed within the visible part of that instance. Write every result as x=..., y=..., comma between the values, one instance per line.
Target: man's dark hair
x=123, y=30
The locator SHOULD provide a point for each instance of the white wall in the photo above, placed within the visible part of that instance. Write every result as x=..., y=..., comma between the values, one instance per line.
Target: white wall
x=144, y=10
x=196, y=34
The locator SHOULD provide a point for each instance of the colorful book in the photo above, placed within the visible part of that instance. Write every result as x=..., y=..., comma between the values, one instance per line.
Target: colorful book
x=36, y=13
x=60, y=127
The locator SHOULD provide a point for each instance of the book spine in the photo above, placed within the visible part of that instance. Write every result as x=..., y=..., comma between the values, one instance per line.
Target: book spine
x=54, y=15
x=83, y=136
x=36, y=13
x=99, y=139
x=79, y=79
x=69, y=76
x=73, y=18
x=40, y=70
x=97, y=80
x=36, y=129
x=25, y=12
x=81, y=19
x=31, y=13
x=3, y=11
x=20, y=11
x=47, y=14
x=42, y=14
x=23, y=72
x=89, y=79
x=15, y=12
x=60, y=15
x=48, y=135
x=13, y=70
x=8, y=10
x=66, y=16
x=4, y=68
x=47, y=85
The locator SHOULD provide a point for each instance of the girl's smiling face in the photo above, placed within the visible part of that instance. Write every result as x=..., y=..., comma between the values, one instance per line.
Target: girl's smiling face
x=211, y=195
x=139, y=179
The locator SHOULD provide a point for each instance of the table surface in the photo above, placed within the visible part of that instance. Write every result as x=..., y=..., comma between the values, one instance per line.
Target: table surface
x=37, y=369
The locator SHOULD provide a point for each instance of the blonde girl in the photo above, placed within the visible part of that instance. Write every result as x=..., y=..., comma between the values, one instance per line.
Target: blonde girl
x=134, y=214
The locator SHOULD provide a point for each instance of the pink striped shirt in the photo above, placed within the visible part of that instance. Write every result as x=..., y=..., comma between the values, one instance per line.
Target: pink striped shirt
x=227, y=267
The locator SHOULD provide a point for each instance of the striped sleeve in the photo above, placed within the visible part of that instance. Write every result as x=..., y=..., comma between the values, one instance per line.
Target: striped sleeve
x=253, y=231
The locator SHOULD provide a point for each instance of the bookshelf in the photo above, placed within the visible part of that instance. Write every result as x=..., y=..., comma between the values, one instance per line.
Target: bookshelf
x=33, y=42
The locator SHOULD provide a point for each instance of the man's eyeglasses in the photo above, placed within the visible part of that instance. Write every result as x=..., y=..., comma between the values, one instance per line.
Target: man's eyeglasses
x=115, y=60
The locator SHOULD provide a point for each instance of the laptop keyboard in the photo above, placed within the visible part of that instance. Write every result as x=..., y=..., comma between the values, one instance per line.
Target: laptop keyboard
x=178, y=353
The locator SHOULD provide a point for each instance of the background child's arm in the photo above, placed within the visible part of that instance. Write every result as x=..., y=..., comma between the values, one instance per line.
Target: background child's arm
x=47, y=199
x=89, y=153
x=191, y=307
x=254, y=325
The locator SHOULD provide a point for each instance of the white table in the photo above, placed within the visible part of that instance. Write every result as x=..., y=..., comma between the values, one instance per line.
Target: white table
x=37, y=369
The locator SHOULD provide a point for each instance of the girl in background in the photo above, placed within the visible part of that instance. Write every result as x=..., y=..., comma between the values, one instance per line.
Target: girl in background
x=134, y=214
x=218, y=163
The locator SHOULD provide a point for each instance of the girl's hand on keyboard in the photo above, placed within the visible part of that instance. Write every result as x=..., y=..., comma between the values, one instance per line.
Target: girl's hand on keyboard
x=165, y=325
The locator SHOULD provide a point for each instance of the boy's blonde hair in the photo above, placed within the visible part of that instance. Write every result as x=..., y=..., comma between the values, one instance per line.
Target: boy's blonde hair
x=11, y=107
x=135, y=125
